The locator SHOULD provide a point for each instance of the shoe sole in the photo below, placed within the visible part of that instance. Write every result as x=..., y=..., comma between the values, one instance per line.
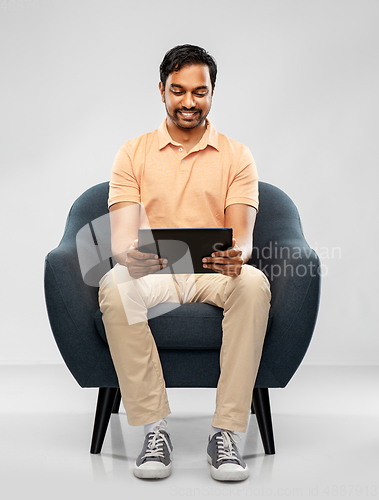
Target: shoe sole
x=223, y=474
x=151, y=473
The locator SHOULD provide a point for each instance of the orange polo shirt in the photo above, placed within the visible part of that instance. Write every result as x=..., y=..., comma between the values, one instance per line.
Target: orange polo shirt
x=180, y=189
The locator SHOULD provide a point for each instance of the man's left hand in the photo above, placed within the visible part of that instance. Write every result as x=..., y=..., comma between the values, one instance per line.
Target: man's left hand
x=228, y=262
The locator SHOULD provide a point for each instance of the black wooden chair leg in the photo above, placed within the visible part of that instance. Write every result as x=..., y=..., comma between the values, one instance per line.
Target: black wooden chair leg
x=261, y=406
x=105, y=403
x=117, y=401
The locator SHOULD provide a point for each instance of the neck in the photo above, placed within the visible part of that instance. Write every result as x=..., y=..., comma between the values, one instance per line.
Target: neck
x=186, y=137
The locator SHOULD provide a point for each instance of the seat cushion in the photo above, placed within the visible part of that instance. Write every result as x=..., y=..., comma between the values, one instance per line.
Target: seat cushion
x=189, y=326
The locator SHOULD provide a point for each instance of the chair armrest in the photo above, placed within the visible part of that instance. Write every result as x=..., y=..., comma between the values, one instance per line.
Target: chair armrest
x=71, y=306
x=293, y=270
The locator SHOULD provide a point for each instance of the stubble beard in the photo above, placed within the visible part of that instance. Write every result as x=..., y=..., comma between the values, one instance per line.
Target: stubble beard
x=176, y=120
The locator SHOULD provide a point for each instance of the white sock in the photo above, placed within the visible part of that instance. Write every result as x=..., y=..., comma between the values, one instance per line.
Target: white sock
x=214, y=430
x=150, y=427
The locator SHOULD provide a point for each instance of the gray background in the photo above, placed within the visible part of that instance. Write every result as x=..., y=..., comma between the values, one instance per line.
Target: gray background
x=298, y=83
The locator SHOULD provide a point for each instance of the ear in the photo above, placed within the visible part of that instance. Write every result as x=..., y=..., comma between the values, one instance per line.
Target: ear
x=161, y=89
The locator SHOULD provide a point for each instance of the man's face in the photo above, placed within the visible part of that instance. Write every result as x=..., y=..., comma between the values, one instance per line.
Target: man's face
x=188, y=96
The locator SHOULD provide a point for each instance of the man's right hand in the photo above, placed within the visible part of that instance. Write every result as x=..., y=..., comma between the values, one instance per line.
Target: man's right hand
x=141, y=264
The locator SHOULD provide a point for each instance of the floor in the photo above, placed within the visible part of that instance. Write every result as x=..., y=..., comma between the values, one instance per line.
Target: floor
x=326, y=426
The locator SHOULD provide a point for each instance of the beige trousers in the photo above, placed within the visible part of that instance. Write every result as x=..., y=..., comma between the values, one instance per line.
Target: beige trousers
x=124, y=302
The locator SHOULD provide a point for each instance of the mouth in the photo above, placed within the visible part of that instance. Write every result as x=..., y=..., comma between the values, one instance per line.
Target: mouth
x=187, y=115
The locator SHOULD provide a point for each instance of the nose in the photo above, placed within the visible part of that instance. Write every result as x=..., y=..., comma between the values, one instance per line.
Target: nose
x=188, y=101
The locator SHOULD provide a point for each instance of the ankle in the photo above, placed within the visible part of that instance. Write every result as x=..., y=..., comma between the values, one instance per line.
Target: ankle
x=214, y=430
x=159, y=423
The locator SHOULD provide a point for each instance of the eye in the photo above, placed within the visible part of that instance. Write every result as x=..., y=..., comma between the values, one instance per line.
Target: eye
x=201, y=92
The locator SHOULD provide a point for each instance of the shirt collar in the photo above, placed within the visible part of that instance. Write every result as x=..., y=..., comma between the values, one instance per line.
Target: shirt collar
x=210, y=137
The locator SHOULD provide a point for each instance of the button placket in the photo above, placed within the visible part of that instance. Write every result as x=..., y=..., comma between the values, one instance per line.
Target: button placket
x=183, y=155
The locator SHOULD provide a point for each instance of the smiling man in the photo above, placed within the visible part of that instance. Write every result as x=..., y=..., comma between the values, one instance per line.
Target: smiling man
x=184, y=174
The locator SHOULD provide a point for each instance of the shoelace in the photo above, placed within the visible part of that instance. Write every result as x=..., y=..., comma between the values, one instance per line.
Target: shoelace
x=155, y=443
x=225, y=450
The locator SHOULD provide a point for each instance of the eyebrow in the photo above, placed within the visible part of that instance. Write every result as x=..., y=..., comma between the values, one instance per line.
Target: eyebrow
x=201, y=87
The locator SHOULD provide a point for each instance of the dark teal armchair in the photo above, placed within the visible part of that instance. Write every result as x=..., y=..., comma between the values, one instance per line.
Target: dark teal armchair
x=190, y=359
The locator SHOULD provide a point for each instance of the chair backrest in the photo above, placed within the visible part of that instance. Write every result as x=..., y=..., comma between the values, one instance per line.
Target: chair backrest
x=277, y=223
x=88, y=222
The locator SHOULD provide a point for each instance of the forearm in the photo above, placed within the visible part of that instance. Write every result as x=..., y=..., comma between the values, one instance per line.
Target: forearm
x=242, y=219
x=124, y=218
x=246, y=245
x=121, y=243
x=120, y=257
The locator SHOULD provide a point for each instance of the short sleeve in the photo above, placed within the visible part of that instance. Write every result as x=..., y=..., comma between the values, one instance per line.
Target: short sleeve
x=244, y=186
x=123, y=184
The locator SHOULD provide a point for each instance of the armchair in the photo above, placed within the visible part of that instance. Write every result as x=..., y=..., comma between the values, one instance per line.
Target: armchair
x=190, y=359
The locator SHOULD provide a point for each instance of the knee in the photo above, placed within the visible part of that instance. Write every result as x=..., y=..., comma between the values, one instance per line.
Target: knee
x=109, y=289
x=253, y=282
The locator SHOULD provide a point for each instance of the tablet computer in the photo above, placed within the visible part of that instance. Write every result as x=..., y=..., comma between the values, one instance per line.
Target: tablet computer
x=184, y=248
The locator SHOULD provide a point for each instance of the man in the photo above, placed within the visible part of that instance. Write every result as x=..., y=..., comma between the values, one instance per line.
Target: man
x=184, y=174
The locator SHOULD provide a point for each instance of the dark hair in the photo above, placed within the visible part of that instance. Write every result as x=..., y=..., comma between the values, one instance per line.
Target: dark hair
x=186, y=55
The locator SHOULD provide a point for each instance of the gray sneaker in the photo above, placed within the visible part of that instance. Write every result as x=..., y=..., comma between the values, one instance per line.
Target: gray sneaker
x=225, y=459
x=154, y=461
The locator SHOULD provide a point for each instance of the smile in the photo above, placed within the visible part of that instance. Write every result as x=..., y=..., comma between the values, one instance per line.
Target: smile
x=188, y=114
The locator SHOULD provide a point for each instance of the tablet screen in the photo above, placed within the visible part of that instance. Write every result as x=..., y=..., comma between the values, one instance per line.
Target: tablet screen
x=184, y=248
